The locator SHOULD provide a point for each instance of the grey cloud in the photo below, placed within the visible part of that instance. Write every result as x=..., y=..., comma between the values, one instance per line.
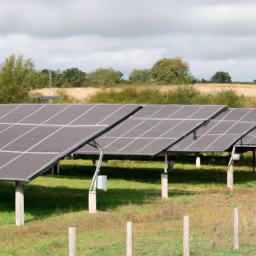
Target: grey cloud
x=85, y=19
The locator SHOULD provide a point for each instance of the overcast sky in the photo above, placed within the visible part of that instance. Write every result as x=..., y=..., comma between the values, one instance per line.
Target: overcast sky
x=212, y=35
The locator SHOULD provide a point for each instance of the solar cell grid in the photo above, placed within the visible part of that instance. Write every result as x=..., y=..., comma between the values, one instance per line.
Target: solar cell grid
x=220, y=133
x=154, y=128
x=35, y=136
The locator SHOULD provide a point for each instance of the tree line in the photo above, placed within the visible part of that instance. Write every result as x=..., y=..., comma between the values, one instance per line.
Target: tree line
x=18, y=77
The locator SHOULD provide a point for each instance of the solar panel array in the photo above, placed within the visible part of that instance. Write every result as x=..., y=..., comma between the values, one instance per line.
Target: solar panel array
x=153, y=129
x=35, y=136
x=220, y=133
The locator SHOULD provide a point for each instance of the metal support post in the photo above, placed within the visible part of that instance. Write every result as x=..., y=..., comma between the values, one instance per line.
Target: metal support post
x=92, y=191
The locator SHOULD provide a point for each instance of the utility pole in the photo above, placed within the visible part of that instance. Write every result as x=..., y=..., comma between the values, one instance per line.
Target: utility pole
x=50, y=77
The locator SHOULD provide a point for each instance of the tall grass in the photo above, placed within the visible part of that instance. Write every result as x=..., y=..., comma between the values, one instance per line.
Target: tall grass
x=182, y=95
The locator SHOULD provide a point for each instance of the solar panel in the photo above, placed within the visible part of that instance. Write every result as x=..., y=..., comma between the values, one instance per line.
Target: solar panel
x=220, y=133
x=153, y=129
x=33, y=137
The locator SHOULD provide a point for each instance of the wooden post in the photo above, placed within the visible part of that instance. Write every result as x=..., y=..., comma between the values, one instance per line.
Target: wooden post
x=230, y=177
x=236, y=229
x=164, y=185
x=72, y=241
x=19, y=204
x=186, y=251
x=129, y=239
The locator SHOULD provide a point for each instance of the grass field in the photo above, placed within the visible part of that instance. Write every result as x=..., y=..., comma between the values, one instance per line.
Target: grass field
x=54, y=203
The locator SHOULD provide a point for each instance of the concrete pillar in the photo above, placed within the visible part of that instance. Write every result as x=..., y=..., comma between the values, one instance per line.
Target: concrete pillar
x=164, y=185
x=19, y=204
x=56, y=169
x=165, y=163
x=94, y=159
x=92, y=202
x=171, y=164
x=198, y=162
x=230, y=177
x=253, y=159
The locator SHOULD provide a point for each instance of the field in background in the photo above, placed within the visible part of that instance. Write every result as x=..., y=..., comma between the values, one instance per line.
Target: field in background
x=86, y=92
x=53, y=203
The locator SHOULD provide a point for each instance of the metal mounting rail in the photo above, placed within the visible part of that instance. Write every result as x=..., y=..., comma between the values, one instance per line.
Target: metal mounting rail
x=95, y=176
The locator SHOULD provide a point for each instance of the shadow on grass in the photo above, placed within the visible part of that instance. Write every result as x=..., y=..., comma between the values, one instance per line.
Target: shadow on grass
x=152, y=175
x=42, y=201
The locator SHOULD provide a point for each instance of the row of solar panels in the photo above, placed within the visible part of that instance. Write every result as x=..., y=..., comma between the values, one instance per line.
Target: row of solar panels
x=33, y=137
x=216, y=129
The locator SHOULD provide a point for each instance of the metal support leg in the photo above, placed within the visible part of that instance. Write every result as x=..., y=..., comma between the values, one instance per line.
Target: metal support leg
x=92, y=191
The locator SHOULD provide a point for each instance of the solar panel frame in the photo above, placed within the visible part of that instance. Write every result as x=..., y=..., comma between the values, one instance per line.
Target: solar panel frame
x=16, y=116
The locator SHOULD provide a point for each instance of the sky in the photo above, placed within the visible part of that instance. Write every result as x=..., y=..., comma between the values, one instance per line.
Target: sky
x=212, y=35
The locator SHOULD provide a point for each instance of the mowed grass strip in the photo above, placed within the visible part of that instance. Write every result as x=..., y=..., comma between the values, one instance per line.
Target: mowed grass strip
x=54, y=203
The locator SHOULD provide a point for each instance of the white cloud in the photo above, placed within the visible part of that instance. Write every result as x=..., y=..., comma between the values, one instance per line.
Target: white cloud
x=211, y=35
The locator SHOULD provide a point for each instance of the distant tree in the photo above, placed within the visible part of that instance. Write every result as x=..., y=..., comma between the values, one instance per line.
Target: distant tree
x=203, y=81
x=17, y=78
x=73, y=77
x=102, y=77
x=138, y=76
x=221, y=77
x=171, y=71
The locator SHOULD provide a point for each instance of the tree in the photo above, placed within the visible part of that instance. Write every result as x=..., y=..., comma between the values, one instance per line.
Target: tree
x=140, y=76
x=101, y=77
x=73, y=77
x=171, y=71
x=17, y=78
x=221, y=77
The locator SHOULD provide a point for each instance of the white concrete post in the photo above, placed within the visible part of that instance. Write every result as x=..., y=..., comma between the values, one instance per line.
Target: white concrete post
x=19, y=204
x=186, y=251
x=92, y=202
x=198, y=162
x=236, y=229
x=230, y=177
x=171, y=164
x=129, y=239
x=164, y=185
x=72, y=241
x=165, y=163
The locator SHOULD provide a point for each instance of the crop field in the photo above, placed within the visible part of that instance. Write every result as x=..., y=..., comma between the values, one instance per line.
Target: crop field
x=84, y=93
x=54, y=203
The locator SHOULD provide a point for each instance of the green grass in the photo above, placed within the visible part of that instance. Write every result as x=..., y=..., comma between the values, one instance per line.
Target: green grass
x=54, y=203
